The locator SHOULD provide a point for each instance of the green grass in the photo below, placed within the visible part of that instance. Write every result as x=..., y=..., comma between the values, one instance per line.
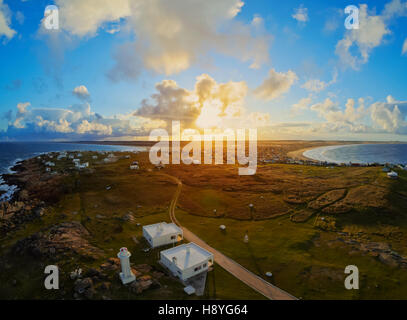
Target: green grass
x=88, y=199
x=306, y=261
x=300, y=267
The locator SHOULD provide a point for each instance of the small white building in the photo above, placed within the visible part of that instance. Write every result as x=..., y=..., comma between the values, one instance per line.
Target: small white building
x=187, y=260
x=134, y=167
x=50, y=164
x=392, y=175
x=82, y=165
x=161, y=234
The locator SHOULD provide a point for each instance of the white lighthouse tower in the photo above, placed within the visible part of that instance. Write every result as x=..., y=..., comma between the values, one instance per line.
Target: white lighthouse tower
x=126, y=275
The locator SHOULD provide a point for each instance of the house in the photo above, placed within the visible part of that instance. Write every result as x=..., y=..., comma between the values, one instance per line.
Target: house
x=187, y=260
x=111, y=158
x=392, y=175
x=386, y=169
x=50, y=164
x=94, y=157
x=162, y=233
x=83, y=165
x=134, y=167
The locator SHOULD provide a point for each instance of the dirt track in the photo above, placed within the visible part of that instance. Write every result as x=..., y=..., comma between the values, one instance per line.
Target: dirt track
x=255, y=282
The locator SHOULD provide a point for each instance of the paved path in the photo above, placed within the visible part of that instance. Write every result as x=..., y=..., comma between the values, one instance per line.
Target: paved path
x=260, y=285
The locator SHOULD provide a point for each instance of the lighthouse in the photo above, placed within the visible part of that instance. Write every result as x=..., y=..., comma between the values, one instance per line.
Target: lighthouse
x=126, y=275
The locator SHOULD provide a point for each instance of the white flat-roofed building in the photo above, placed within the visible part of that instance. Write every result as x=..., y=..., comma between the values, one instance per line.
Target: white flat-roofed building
x=392, y=175
x=161, y=234
x=187, y=260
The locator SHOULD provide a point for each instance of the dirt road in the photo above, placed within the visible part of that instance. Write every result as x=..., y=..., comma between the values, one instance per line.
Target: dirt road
x=249, y=278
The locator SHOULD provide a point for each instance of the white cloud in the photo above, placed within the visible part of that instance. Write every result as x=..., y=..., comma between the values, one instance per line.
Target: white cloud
x=323, y=108
x=5, y=21
x=81, y=92
x=316, y=85
x=372, y=29
x=385, y=117
x=404, y=50
x=393, y=9
x=84, y=17
x=390, y=115
x=95, y=128
x=301, y=14
x=371, y=33
x=257, y=20
x=331, y=112
x=210, y=104
x=276, y=84
x=170, y=35
x=301, y=105
x=74, y=122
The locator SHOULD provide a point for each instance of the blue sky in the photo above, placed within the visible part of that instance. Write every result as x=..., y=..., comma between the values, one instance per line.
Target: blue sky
x=118, y=69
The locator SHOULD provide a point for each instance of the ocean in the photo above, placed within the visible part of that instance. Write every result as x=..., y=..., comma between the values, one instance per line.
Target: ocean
x=12, y=152
x=361, y=153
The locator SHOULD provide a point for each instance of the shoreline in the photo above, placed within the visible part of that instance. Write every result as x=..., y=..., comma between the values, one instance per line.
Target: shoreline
x=319, y=156
x=299, y=154
x=9, y=191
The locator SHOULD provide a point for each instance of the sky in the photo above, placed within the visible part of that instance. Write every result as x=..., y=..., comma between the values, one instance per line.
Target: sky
x=116, y=70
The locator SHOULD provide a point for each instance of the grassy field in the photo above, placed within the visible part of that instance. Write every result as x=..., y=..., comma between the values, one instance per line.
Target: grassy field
x=308, y=259
x=306, y=225
x=146, y=196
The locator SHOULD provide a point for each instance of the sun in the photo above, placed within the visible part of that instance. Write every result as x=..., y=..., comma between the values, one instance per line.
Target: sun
x=210, y=114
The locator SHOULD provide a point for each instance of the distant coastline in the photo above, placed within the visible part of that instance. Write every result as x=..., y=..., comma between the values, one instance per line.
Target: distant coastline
x=367, y=153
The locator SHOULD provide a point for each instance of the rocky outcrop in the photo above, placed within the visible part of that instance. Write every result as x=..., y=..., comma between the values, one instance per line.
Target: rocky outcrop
x=34, y=183
x=65, y=238
x=13, y=214
x=144, y=283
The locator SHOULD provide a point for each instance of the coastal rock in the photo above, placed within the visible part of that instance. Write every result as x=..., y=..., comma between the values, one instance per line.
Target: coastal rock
x=115, y=261
x=139, y=285
x=144, y=268
x=67, y=237
x=81, y=285
x=108, y=266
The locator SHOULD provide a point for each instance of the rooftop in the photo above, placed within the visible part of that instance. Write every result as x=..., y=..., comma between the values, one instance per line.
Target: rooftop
x=162, y=229
x=187, y=255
